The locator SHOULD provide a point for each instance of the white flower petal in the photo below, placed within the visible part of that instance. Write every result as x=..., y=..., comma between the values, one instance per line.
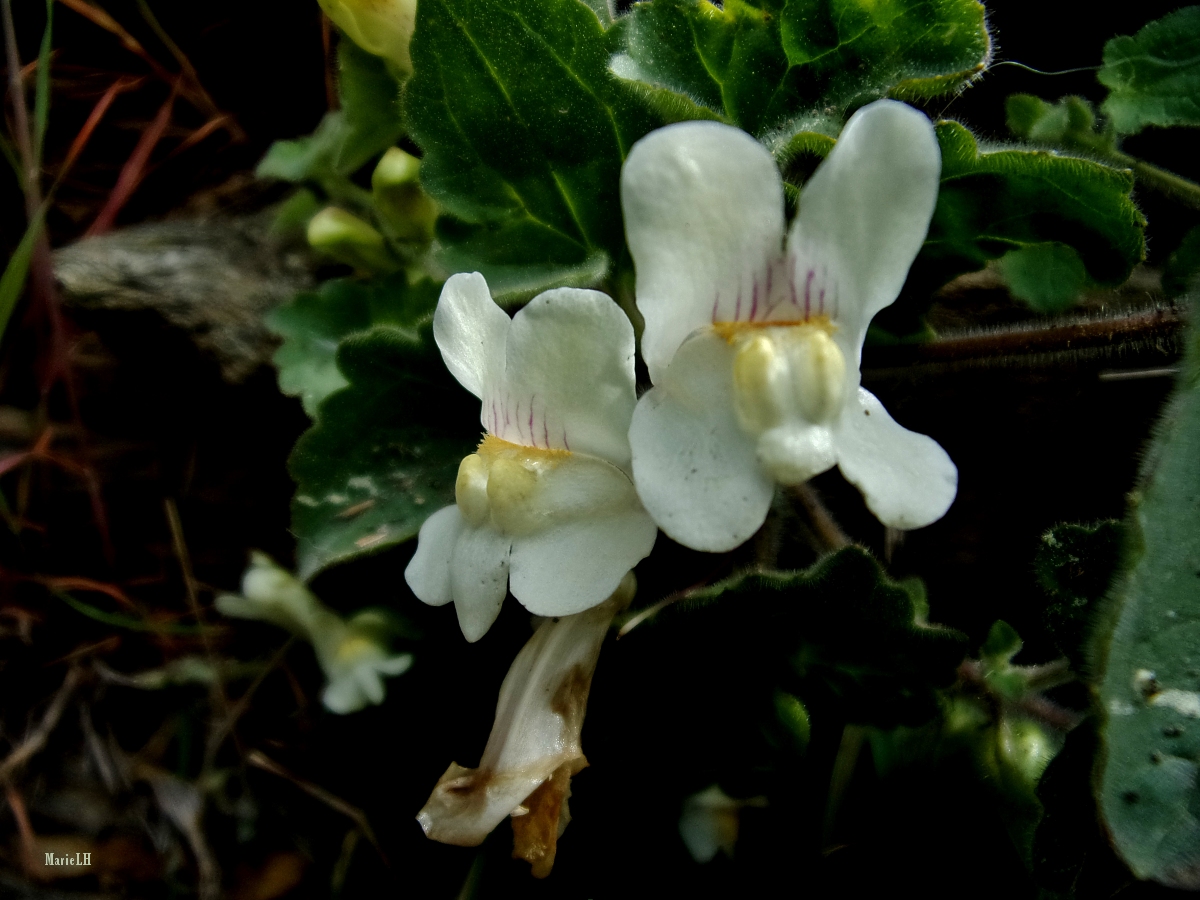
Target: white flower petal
x=428, y=573
x=479, y=578
x=695, y=469
x=703, y=209
x=796, y=452
x=569, y=380
x=906, y=478
x=343, y=695
x=471, y=331
x=539, y=717
x=574, y=566
x=865, y=212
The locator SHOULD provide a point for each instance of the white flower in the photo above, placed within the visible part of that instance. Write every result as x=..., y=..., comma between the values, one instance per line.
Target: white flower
x=351, y=653
x=754, y=348
x=710, y=821
x=382, y=27
x=534, y=747
x=546, y=506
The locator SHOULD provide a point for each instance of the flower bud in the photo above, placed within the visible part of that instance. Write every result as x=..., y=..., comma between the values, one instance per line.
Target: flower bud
x=402, y=204
x=348, y=239
x=382, y=27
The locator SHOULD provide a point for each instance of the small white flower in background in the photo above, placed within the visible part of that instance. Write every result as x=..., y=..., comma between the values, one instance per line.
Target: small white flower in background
x=546, y=507
x=352, y=653
x=534, y=747
x=754, y=347
x=710, y=820
x=381, y=27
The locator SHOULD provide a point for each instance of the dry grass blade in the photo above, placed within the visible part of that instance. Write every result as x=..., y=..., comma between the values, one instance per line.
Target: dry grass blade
x=190, y=86
x=36, y=739
x=134, y=169
x=260, y=760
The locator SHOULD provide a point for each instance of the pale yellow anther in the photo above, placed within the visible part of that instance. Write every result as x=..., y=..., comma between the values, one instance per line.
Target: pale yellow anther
x=758, y=376
x=471, y=489
x=818, y=371
x=510, y=488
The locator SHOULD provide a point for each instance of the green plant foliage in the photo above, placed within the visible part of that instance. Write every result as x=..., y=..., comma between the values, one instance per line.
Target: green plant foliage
x=1154, y=76
x=1182, y=271
x=382, y=456
x=761, y=64
x=1075, y=565
x=369, y=122
x=524, y=131
x=1150, y=693
x=841, y=630
x=315, y=322
x=1049, y=277
x=994, y=201
x=1069, y=123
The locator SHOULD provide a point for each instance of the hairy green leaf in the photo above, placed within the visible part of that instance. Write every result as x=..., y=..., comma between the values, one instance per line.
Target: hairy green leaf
x=994, y=201
x=1049, y=276
x=1150, y=692
x=314, y=323
x=524, y=131
x=763, y=65
x=384, y=452
x=1154, y=76
x=842, y=631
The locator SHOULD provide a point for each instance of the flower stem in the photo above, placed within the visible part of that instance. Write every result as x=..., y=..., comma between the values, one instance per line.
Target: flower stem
x=1174, y=186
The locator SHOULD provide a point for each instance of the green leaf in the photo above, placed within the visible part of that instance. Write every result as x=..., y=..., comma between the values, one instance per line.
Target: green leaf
x=12, y=282
x=384, y=452
x=41, y=95
x=1183, y=266
x=369, y=122
x=1069, y=123
x=524, y=131
x=842, y=631
x=1154, y=76
x=1150, y=692
x=1049, y=277
x=763, y=64
x=315, y=322
x=995, y=201
x=1074, y=566
x=371, y=108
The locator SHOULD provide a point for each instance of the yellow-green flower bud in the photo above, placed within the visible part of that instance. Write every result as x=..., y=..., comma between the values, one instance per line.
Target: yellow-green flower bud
x=402, y=204
x=348, y=239
x=382, y=27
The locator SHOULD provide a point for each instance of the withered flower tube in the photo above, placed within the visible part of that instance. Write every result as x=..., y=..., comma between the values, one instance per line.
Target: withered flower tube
x=534, y=747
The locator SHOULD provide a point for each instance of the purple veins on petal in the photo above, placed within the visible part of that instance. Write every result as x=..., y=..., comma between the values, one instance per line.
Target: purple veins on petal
x=716, y=303
x=754, y=300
